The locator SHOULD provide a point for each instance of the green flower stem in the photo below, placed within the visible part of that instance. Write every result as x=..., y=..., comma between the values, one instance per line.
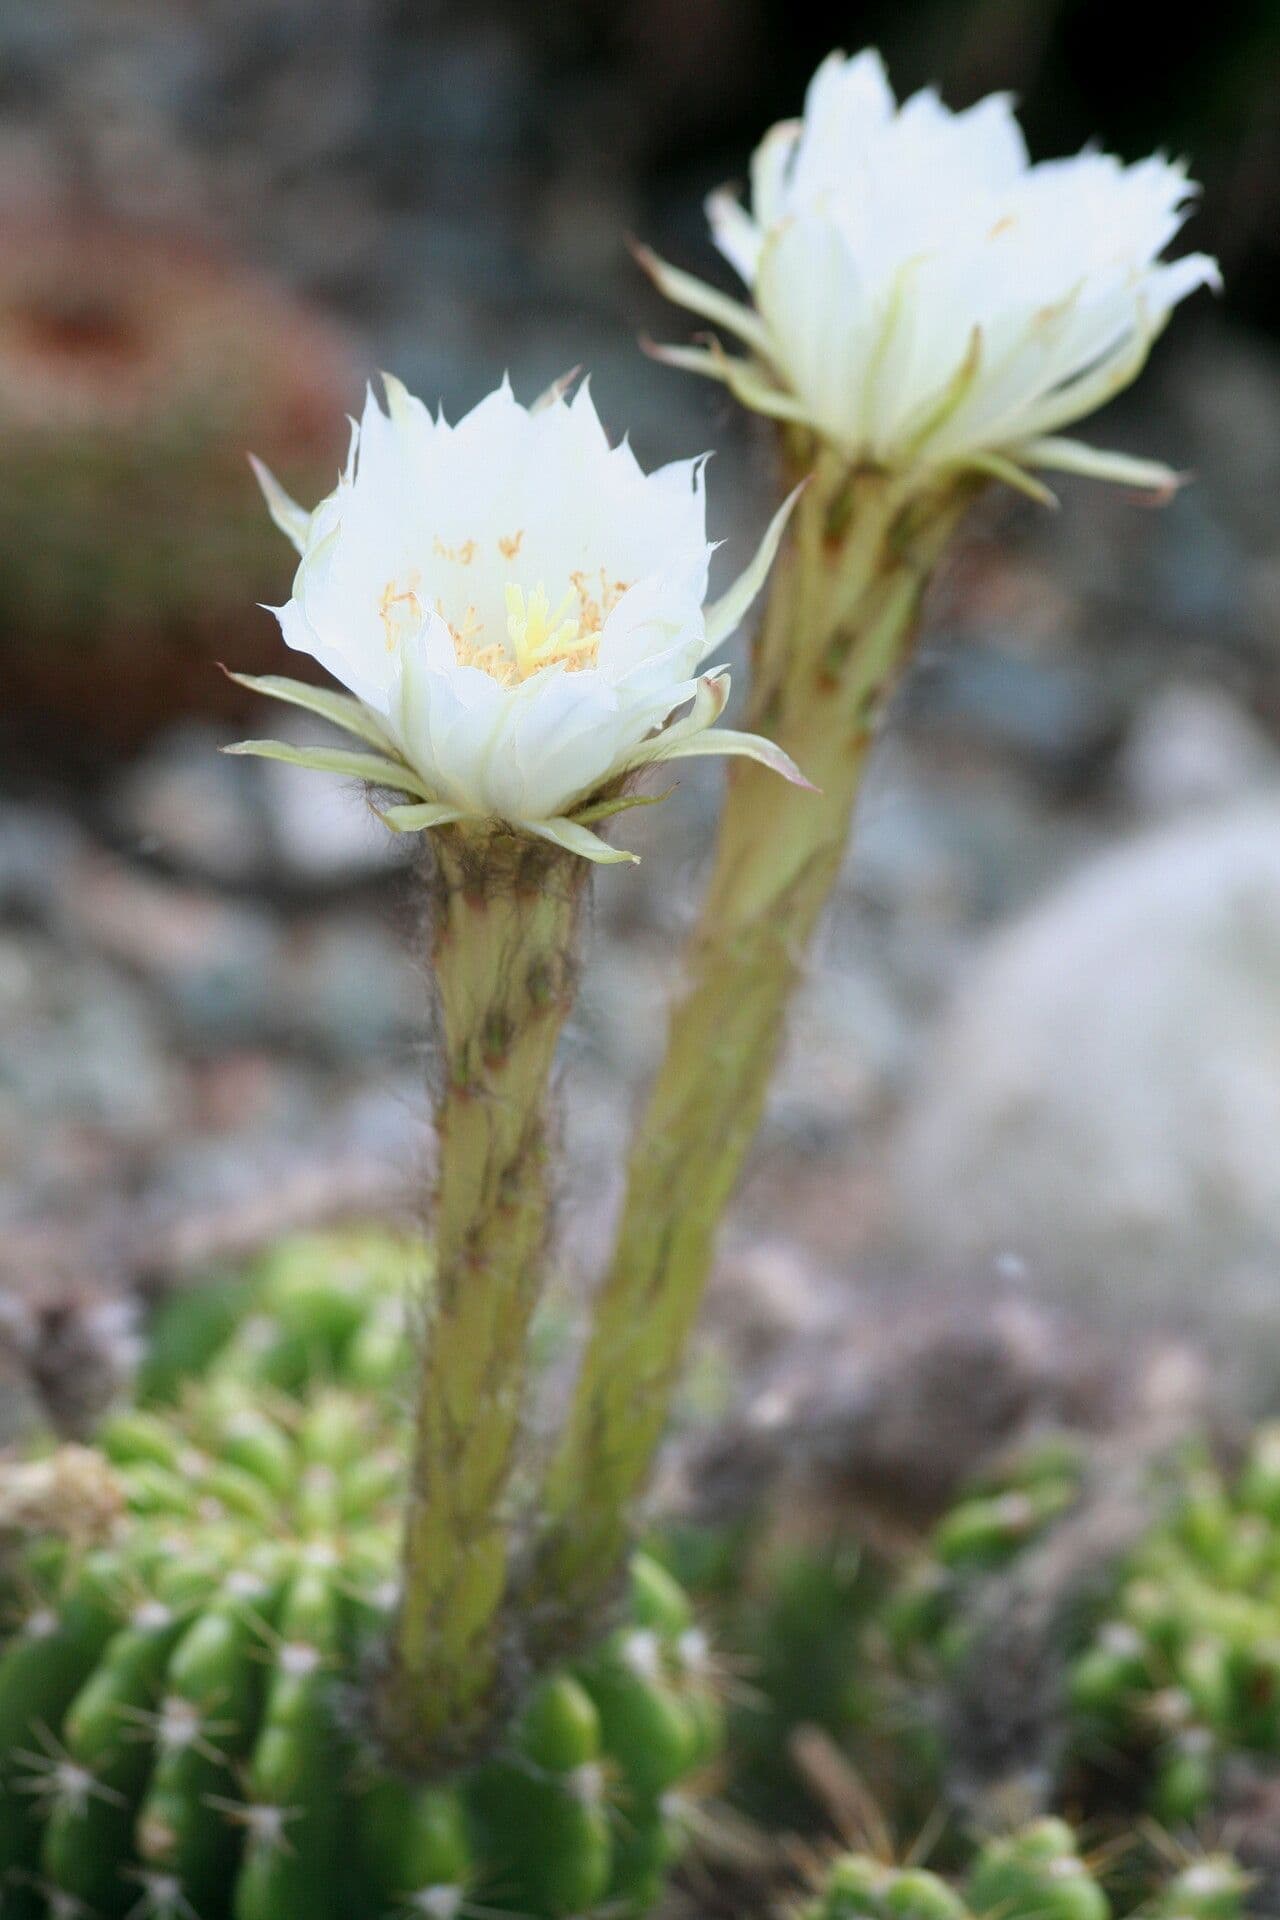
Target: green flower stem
x=504, y=923
x=842, y=614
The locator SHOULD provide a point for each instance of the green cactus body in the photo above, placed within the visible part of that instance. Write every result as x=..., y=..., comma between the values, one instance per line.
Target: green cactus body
x=181, y=1727
x=1173, y=1667
x=994, y=1521
x=315, y=1307
x=1035, y=1874
x=1185, y=1668
x=1037, y=1871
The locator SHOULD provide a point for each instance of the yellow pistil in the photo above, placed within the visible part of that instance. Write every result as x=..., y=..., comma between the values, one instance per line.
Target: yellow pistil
x=542, y=638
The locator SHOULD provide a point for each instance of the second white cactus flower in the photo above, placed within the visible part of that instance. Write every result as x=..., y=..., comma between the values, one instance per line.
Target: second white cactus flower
x=516, y=610
x=924, y=296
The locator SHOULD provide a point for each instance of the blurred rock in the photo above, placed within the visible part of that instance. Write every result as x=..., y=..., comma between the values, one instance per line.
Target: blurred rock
x=348, y=988
x=192, y=807
x=1103, y=1099
x=321, y=825
x=1193, y=748
x=78, y=1049
x=1050, y=713
x=260, y=823
x=1228, y=394
x=856, y=1411
x=37, y=843
x=214, y=960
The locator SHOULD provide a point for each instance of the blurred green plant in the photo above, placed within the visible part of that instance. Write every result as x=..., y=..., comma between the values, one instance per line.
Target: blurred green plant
x=182, y=1727
x=1037, y=1873
x=1172, y=1665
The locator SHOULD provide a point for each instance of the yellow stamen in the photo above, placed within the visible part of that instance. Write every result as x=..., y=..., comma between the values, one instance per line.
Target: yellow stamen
x=542, y=638
x=538, y=636
x=400, y=613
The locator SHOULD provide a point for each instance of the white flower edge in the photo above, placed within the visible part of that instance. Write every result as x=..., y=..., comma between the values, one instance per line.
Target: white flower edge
x=753, y=383
x=685, y=735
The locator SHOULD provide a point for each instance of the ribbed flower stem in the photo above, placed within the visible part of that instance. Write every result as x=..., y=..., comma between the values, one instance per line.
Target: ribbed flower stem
x=842, y=614
x=504, y=922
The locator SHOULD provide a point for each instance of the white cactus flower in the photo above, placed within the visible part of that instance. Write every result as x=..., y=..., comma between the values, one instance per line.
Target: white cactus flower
x=517, y=609
x=926, y=298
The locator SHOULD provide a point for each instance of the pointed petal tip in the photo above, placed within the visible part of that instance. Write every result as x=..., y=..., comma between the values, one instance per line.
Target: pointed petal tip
x=557, y=390
x=1165, y=490
x=293, y=520
x=399, y=398
x=727, y=742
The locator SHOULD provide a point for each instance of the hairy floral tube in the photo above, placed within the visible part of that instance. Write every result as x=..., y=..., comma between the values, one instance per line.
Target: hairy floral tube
x=843, y=608
x=503, y=954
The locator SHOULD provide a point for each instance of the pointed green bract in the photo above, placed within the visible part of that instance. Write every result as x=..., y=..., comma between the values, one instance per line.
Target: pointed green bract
x=374, y=768
x=341, y=708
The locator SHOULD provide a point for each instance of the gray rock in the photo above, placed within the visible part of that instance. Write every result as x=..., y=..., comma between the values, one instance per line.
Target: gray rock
x=78, y=1048
x=36, y=844
x=349, y=988
x=1193, y=748
x=321, y=825
x=1103, y=1098
x=192, y=807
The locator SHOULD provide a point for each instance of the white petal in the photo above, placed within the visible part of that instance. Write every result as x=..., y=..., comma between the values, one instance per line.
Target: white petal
x=708, y=703
x=293, y=521
x=735, y=233
x=694, y=294
x=819, y=307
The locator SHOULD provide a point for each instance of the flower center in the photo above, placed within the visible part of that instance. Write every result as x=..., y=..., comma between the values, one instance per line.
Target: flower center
x=538, y=634
x=541, y=637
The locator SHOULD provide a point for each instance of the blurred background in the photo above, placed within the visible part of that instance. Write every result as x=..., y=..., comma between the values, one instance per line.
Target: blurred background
x=1036, y=1065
